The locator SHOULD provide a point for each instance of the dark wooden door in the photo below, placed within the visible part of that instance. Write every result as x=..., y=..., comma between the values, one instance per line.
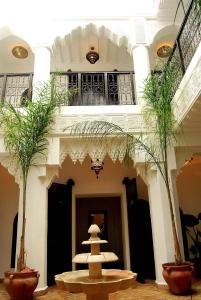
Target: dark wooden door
x=140, y=233
x=59, y=248
x=111, y=209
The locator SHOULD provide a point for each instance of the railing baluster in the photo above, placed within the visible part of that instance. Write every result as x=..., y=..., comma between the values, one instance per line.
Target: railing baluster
x=79, y=89
x=30, y=93
x=106, y=88
x=4, y=88
x=132, y=87
x=181, y=57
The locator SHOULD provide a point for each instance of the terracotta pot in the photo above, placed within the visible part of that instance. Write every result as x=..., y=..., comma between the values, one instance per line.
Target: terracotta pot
x=178, y=277
x=21, y=285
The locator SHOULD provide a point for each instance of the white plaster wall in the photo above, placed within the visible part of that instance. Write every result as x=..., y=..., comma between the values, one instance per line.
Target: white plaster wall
x=9, y=194
x=17, y=67
x=109, y=182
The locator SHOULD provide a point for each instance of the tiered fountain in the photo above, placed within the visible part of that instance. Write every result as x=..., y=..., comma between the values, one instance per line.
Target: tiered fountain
x=95, y=282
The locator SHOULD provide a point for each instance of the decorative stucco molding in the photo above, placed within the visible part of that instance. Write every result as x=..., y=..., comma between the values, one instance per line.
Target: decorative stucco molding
x=128, y=122
x=78, y=149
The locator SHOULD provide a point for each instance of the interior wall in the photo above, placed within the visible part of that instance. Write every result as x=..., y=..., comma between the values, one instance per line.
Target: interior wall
x=109, y=181
x=9, y=194
x=189, y=189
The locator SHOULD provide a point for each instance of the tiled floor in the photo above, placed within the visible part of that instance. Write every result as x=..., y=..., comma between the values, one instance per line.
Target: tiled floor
x=147, y=291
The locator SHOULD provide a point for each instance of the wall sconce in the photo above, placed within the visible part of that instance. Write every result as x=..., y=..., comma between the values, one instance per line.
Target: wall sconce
x=92, y=56
x=97, y=166
x=20, y=52
x=164, y=51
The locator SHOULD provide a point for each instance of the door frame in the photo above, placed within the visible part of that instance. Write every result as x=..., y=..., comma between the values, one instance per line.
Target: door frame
x=124, y=224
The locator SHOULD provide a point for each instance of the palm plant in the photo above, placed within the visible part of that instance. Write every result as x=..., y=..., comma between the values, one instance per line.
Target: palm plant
x=25, y=137
x=158, y=115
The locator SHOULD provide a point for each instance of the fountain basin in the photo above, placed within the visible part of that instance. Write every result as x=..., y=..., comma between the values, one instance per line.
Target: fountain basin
x=96, y=283
x=111, y=281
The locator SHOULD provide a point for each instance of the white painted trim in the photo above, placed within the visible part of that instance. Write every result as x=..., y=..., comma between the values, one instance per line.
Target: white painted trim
x=41, y=291
x=161, y=283
x=101, y=109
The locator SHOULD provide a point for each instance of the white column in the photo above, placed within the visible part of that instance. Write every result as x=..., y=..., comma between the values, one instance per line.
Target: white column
x=36, y=225
x=41, y=65
x=161, y=223
x=141, y=69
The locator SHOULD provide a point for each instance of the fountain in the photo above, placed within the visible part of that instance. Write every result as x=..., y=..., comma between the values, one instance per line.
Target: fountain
x=95, y=282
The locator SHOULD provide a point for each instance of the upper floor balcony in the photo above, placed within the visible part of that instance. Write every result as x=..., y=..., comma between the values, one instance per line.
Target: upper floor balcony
x=91, y=88
x=94, y=86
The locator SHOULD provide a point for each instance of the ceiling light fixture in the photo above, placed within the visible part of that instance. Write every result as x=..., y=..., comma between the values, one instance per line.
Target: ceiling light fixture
x=92, y=56
x=164, y=51
x=20, y=52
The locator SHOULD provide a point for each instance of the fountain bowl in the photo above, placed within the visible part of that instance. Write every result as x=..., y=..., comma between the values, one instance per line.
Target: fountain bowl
x=111, y=281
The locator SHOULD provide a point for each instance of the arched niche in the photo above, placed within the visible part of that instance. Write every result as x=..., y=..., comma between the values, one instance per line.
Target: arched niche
x=8, y=62
x=164, y=36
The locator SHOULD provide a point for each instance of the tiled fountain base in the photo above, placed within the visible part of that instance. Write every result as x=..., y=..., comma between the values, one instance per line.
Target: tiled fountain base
x=148, y=291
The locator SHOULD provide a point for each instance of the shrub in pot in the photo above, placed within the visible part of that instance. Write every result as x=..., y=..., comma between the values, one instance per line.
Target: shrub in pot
x=25, y=137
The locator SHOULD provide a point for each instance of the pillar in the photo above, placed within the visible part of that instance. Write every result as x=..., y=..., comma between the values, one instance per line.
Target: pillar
x=36, y=224
x=41, y=66
x=161, y=223
x=141, y=69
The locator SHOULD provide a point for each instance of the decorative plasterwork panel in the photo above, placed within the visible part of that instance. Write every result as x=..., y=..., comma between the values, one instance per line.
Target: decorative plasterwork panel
x=78, y=148
x=128, y=122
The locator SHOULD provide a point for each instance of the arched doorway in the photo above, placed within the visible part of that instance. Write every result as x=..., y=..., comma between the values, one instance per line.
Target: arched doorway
x=9, y=191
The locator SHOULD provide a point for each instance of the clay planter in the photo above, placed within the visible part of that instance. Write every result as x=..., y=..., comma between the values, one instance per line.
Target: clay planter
x=179, y=277
x=21, y=285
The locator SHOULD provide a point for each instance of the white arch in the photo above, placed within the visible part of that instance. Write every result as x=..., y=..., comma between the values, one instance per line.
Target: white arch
x=163, y=32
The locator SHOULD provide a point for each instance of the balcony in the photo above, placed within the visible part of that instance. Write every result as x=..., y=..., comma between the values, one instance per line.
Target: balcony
x=94, y=88
x=187, y=41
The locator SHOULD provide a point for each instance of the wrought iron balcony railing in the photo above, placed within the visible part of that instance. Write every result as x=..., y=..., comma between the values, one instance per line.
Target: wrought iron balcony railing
x=14, y=87
x=94, y=88
x=187, y=41
x=98, y=88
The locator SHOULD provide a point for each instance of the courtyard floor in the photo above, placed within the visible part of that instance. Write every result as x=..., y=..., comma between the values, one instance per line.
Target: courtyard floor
x=147, y=291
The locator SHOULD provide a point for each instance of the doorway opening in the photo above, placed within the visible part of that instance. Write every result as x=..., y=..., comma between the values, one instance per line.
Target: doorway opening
x=106, y=212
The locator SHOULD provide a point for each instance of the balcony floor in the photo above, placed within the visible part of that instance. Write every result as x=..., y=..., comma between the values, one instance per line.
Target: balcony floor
x=148, y=291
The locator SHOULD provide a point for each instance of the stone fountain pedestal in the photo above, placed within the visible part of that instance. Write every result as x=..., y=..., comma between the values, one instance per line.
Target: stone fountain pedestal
x=96, y=283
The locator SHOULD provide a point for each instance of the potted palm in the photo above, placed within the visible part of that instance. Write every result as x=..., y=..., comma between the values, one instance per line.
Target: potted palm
x=158, y=115
x=25, y=138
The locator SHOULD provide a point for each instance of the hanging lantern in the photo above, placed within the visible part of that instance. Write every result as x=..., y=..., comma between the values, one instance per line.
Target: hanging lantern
x=92, y=56
x=97, y=166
